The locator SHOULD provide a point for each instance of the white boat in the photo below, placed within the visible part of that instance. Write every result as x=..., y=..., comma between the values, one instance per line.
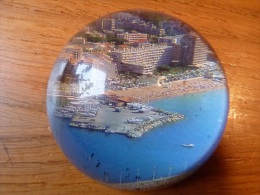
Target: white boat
x=134, y=106
x=188, y=145
x=134, y=120
x=67, y=109
x=86, y=114
x=63, y=114
x=145, y=108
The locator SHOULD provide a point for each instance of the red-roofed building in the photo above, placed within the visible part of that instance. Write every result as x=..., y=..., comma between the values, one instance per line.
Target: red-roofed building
x=116, y=101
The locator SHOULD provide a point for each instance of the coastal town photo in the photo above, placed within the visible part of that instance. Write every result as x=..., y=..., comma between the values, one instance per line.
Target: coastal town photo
x=113, y=68
x=137, y=99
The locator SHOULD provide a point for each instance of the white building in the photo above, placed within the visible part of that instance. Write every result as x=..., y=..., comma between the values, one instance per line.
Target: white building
x=200, y=51
x=108, y=24
x=170, y=39
x=78, y=40
x=132, y=37
x=143, y=59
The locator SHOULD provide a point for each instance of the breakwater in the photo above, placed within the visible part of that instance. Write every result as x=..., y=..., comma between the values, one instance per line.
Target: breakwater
x=127, y=122
x=168, y=117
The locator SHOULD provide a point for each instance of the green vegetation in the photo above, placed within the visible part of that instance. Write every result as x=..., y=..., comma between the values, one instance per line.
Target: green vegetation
x=182, y=69
x=163, y=68
x=112, y=38
x=94, y=38
x=153, y=17
x=90, y=37
x=97, y=38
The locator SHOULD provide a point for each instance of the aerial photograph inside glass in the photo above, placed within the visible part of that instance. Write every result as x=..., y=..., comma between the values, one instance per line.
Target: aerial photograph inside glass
x=140, y=97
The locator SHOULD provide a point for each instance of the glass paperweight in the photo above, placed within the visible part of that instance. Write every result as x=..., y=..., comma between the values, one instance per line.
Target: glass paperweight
x=137, y=100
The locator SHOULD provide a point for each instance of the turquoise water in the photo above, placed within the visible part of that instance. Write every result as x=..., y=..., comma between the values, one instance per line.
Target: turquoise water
x=158, y=153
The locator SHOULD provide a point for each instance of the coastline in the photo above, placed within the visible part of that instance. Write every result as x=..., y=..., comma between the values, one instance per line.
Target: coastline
x=134, y=123
x=132, y=129
x=171, y=89
x=132, y=184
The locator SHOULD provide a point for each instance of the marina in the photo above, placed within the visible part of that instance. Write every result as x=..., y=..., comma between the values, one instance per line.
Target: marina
x=132, y=120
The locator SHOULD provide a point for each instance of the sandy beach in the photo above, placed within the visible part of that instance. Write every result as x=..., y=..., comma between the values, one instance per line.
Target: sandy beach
x=131, y=122
x=171, y=89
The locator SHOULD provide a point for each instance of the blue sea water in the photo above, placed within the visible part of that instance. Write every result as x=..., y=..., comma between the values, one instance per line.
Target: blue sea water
x=115, y=158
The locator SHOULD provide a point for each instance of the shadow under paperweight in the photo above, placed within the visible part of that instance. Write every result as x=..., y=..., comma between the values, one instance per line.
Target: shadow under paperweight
x=137, y=100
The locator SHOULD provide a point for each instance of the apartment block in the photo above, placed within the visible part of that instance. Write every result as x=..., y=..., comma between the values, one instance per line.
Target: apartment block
x=132, y=37
x=143, y=59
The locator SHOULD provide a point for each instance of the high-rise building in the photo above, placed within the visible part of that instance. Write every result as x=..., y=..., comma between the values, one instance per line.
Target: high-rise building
x=132, y=37
x=200, y=51
x=193, y=50
x=176, y=56
x=108, y=24
x=170, y=39
x=143, y=27
x=105, y=63
x=143, y=59
x=187, y=50
x=167, y=40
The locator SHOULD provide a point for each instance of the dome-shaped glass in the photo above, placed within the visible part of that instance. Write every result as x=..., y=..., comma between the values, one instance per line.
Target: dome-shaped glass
x=137, y=100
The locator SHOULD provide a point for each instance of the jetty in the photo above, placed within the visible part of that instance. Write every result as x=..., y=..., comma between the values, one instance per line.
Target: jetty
x=128, y=121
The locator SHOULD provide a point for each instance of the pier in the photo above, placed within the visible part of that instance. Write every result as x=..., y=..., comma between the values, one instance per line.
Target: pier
x=129, y=122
